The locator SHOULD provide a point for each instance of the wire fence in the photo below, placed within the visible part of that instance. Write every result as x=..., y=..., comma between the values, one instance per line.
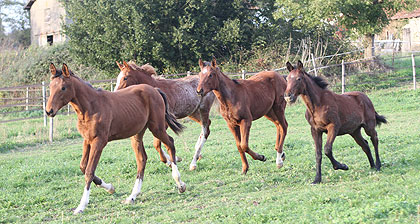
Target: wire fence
x=19, y=103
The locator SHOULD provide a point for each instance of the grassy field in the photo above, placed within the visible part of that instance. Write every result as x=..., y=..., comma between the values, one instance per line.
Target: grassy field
x=42, y=182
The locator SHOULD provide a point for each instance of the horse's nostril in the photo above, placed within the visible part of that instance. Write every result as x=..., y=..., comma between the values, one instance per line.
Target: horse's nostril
x=49, y=112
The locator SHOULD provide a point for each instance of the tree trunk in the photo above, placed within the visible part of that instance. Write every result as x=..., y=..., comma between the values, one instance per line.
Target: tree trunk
x=369, y=43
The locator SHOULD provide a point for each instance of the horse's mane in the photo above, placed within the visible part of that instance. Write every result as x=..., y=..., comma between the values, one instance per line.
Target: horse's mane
x=319, y=81
x=145, y=68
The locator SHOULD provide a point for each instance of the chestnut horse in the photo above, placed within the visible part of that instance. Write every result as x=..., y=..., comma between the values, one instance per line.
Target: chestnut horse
x=242, y=101
x=333, y=114
x=182, y=99
x=105, y=116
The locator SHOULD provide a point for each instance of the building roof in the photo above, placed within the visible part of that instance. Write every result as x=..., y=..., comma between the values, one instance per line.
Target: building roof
x=29, y=4
x=407, y=14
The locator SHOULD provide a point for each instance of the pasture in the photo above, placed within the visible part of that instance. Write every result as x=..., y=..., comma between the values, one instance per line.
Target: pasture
x=43, y=182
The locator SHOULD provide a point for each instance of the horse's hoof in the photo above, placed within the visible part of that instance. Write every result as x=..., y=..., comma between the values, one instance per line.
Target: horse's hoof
x=77, y=211
x=344, y=167
x=244, y=172
x=283, y=156
x=263, y=158
x=193, y=168
x=279, y=165
x=182, y=188
x=112, y=190
x=200, y=157
x=178, y=159
x=316, y=181
x=128, y=201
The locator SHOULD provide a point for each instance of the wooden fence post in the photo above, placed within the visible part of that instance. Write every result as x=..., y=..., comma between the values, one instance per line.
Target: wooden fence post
x=112, y=87
x=188, y=73
x=343, y=78
x=243, y=74
x=44, y=103
x=414, y=71
x=68, y=109
x=27, y=98
x=313, y=63
x=51, y=129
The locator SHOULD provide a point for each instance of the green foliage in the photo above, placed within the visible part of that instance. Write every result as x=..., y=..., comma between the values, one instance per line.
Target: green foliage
x=31, y=65
x=43, y=182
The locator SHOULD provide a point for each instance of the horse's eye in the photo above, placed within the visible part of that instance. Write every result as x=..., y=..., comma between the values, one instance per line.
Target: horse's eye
x=125, y=78
x=211, y=75
x=298, y=79
x=63, y=88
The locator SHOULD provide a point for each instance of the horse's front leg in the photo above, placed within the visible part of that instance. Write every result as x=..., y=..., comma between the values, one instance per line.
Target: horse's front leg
x=245, y=126
x=95, y=151
x=332, y=133
x=317, y=136
x=205, y=132
x=141, y=159
x=237, y=135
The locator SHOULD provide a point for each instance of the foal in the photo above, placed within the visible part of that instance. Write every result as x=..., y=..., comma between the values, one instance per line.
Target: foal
x=333, y=114
x=182, y=99
x=242, y=101
x=105, y=116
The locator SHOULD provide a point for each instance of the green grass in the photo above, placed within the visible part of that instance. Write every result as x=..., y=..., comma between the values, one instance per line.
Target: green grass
x=42, y=182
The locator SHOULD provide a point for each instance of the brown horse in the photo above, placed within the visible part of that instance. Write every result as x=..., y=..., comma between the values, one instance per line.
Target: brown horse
x=333, y=114
x=105, y=116
x=182, y=99
x=242, y=101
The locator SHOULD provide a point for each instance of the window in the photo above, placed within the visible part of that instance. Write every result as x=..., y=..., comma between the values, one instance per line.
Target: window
x=50, y=39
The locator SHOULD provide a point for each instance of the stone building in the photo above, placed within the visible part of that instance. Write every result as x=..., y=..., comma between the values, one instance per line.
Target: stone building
x=46, y=17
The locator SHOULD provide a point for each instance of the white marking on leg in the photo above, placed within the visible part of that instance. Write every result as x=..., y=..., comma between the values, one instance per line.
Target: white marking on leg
x=136, y=191
x=107, y=187
x=168, y=160
x=120, y=76
x=198, y=146
x=83, y=202
x=279, y=159
x=177, y=177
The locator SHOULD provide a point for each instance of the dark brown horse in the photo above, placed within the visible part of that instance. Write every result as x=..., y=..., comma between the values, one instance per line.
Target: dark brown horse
x=242, y=101
x=105, y=116
x=182, y=99
x=333, y=114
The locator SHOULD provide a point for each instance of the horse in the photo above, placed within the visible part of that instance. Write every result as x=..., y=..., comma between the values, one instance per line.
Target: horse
x=334, y=114
x=182, y=99
x=105, y=116
x=242, y=101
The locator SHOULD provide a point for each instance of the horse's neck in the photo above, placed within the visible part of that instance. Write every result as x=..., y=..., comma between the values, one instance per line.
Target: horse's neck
x=312, y=95
x=224, y=92
x=84, y=96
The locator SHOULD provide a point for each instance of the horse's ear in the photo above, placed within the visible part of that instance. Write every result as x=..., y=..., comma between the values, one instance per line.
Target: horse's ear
x=53, y=69
x=289, y=66
x=213, y=62
x=200, y=62
x=65, y=70
x=120, y=65
x=300, y=65
x=126, y=65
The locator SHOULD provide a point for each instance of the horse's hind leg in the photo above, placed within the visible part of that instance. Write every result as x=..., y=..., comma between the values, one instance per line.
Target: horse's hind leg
x=370, y=130
x=364, y=144
x=141, y=159
x=332, y=133
x=164, y=157
x=202, y=117
x=159, y=132
x=277, y=117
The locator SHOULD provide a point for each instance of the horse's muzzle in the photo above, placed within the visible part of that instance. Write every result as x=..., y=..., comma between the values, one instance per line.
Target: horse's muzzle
x=290, y=98
x=200, y=92
x=50, y=113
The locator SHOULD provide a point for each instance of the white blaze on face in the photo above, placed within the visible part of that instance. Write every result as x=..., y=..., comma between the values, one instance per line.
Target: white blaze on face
x=119, y=78
x=204, y=71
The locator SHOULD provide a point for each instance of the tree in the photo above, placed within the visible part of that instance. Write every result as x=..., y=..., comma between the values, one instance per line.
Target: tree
x=359, y=17
x=16, y=19
x=171, y=35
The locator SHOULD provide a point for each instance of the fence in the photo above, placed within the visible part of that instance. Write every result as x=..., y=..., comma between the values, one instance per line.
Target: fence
x=28, y=102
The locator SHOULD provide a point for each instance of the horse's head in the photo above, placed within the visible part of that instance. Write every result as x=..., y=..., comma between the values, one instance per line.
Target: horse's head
x=295, y=82
x=61, y=90
x=132, y=74
x=208, y=77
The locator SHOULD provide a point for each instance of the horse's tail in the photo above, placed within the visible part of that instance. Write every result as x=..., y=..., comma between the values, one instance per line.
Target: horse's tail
x=169, y=117
x=380, y=119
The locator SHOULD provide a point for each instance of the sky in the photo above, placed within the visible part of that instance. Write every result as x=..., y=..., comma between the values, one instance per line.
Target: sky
x=11, y=12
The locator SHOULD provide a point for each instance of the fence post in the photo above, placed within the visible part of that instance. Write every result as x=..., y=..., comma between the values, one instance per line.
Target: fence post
x=112, y=87
x=343, y=78
x=243, y=74
x=27, y=98
x=313, y=63
x=51, y=129
x=68, y=109
x=188, y=73
x=44, y=101
x=414, y=71
x=393, y=56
